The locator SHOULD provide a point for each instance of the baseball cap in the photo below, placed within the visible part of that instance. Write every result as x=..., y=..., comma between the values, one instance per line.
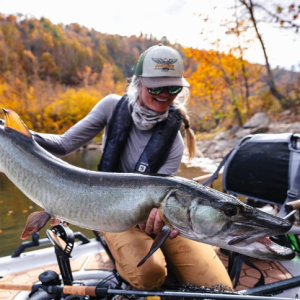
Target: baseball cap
x=161, y=66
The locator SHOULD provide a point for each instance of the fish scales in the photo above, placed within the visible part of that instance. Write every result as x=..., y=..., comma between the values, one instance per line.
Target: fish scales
x=80, y=196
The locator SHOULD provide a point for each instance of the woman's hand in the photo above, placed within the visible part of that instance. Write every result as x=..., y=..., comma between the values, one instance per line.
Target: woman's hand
x=155, y=223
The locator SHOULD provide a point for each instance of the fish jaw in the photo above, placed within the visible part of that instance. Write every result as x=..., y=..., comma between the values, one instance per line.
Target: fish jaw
x=224, y=221
x=265, y=244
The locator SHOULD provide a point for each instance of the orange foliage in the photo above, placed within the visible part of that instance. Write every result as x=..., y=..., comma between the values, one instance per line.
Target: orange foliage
x=218, y=84
x=53, y=75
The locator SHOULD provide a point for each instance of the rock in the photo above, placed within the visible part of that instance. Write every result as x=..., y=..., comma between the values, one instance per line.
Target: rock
x=242, y=132
x=260, y=129
x=278, y=127
x=222, y=135
x=233, y=129
x=224, y=141
x=285, y=113
x=295, y=127
x=258, y=120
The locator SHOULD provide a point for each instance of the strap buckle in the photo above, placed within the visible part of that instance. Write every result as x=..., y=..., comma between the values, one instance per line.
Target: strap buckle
x=292, y=193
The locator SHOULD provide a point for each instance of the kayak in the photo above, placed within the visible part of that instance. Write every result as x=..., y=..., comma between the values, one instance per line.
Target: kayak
x=89, y=261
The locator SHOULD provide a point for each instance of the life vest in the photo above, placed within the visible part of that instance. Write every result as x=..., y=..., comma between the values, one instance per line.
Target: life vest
x=157, y=149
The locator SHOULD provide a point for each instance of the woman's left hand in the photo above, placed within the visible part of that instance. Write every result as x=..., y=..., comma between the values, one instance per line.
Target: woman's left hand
x=155, y=223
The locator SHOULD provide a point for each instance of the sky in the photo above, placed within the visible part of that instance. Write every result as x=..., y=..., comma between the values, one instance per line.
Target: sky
x=180, y=21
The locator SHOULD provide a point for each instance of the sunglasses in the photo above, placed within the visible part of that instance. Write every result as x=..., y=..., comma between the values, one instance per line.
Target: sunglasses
x=173, y=90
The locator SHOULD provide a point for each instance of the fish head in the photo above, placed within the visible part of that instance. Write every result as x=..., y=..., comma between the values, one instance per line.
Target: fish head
x=209, y=216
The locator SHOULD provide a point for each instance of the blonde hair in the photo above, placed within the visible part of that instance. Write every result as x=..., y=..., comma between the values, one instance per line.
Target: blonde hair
x=180, y=103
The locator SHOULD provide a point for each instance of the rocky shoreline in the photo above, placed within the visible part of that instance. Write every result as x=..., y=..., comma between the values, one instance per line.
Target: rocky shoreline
x=212, y=151
x=224, y=141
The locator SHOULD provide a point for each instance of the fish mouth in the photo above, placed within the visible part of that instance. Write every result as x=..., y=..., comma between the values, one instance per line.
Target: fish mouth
x=261, y=244
x=283, y=252
x=263, y=226
x=248, y=237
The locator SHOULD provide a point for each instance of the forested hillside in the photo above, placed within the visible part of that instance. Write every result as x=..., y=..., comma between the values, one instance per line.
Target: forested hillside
x=52, y=75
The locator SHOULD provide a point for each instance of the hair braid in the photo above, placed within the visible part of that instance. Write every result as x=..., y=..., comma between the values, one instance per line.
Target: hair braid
x=189, y=133
x=181, y=102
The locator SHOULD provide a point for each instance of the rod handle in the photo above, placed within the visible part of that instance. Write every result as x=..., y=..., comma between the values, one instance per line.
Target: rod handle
x=17, y=287
x=79, y=290
x=293, y=205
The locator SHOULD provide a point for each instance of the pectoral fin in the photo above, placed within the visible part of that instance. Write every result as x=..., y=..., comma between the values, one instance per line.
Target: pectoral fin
x=160, y=238
x=36, y=221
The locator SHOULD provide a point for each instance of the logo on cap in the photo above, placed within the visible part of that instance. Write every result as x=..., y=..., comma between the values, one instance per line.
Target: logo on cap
x=164, y=64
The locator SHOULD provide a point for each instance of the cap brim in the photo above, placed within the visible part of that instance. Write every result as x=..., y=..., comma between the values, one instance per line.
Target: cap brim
x=152, y=82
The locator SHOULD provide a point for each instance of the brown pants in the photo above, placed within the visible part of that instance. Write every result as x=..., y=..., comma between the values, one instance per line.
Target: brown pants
x=190, y=261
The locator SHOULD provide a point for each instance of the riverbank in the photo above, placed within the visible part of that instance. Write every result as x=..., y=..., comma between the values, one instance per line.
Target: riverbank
x=212, y=150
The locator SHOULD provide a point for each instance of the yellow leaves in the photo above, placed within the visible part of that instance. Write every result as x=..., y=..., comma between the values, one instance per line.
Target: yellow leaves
x=47, y=40
x=29, y=54
x=106, y=78
x=70, y=107
x=3, y=88
x=218, y=82
x=48, y=66
x=34, y=34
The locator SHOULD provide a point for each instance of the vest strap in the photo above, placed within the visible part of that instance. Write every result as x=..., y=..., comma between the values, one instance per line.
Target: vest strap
x=157, y=149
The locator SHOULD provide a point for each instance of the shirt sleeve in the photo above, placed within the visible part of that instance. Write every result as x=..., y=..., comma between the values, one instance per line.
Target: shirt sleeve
x=82, y=132
x=172, y=164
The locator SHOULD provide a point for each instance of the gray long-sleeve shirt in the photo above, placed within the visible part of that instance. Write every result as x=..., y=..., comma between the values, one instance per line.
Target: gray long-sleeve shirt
x=90, y=126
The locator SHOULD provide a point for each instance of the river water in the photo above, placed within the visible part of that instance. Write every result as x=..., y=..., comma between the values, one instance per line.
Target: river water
x=15, y=207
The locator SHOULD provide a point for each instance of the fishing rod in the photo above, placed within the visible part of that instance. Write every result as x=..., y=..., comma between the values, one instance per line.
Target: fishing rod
x=100, y=291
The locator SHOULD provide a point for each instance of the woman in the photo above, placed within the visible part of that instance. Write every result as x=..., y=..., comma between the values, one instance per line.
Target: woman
x=142, y=134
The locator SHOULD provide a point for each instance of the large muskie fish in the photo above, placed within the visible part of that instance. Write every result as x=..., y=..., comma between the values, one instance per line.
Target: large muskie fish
x=116, y=202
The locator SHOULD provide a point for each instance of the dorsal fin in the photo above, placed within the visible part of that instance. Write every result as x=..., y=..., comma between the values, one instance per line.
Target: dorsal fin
x=13, y=121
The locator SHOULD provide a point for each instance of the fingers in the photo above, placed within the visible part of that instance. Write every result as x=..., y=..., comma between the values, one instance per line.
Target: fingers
x=155, y=223
x=158, y=223
x=142, y=226
x=174, y=233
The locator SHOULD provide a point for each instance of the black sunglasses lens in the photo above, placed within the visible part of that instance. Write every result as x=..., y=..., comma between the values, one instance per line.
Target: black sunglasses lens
x=155, y=91
x=173, y=90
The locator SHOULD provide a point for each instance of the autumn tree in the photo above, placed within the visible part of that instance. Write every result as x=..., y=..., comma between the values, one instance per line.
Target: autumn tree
x=257, y=11
x=218, y=84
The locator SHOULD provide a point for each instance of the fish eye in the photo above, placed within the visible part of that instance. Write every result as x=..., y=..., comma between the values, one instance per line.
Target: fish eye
x=230, y=210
